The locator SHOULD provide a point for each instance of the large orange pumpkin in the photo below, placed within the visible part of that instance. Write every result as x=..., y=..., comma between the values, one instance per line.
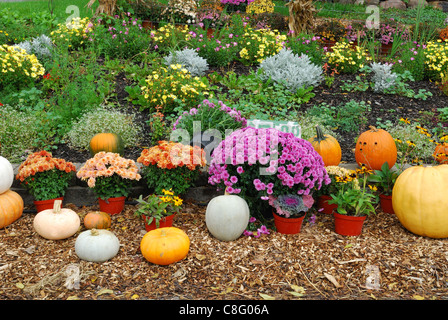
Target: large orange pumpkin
x=420, y=202
x=164, y=246
x=327, y=147
x=107, y=142
x=441, y=153
x=97, y=220
x=374, y=147
x=11, y=207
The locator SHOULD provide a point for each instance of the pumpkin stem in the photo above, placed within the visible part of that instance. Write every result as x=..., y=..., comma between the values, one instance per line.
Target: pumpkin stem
x=57, y=206
x=319, y=134
x=373, y=128
x=94, y=232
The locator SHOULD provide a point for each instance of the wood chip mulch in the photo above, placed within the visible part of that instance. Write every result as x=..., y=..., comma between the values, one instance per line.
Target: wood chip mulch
x=316, y=264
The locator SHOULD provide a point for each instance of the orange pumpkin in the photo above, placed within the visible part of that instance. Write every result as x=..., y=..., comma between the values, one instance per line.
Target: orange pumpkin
x=97, y=220
x=374, y=147
x=11, y=207
x=164, y=246
x=441, y=153
x=327, y=147
x=107, y=142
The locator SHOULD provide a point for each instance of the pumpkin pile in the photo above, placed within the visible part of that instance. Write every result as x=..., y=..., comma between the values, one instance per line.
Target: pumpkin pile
x=11, y=203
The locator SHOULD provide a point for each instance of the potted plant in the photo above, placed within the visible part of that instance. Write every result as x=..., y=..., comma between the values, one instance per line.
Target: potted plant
x=290, y=210
x=353, y=204
x=111, y=177
x=335, y=173
x=46, y=178
x=265, y=163
x=384, y=180
x=158, y=211
x=171, y=165
x=149, y=11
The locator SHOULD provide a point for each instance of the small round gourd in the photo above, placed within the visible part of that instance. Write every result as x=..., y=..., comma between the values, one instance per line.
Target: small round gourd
x=11, y=207
x=97, y=245
x=6, y=175
x=441, y=153
x=420, y=201
x=164, y=246
x=56, y=223
x=97, y=220
x=107, y=142
x=327, y=147
x=227, y=217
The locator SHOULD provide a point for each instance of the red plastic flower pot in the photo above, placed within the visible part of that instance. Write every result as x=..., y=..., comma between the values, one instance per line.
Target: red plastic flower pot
x=164, y=222
x=45, y=204
x=112, y=205
x=322, y=203
x=348, y=225
x=288, y=225
x=386, y=204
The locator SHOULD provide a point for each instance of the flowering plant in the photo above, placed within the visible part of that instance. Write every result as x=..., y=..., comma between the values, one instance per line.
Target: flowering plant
x=156, y=207
x=45, y=177
x=337, y=173
x=73, y=33
x=258, y=44
x=258, y=163
x=346, y=59
x=260, y=6
x=255, y=228
x=291, y=205
x=211, y=116
x=171, y=165
x=109, y=174
x=236, y=5
x=182, y=11
x=167, y=88
x=17, y=67
x=355, y=201
x=387, y=33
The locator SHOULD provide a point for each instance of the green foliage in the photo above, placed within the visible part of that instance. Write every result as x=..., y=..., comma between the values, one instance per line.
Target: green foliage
x=112, y=187
x=48, y=184
x=346, y=116
x=384, y=179
x=104, y=119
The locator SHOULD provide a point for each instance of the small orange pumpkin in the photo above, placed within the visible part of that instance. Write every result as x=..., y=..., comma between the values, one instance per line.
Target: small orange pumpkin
x=441, y=153
x=107, y=142
x=164, y=246
x=374, y=147
x=327, y=147
x=97, y=220
x=11, y=207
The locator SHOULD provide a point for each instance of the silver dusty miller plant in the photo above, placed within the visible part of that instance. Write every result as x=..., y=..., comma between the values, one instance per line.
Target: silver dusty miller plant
x=290, y=69
x=189, y=59
x=383, y=78
x=39, y=46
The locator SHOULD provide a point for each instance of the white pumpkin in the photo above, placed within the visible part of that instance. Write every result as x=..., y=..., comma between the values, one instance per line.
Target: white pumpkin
x=6, y=175
x=97, y=245
x=56, y=223
x=227, y=217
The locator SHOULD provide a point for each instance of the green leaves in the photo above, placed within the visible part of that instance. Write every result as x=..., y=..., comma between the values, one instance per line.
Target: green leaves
x=48, y=184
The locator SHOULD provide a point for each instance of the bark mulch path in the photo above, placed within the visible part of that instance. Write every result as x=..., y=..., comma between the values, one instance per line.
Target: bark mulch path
x=316, y=264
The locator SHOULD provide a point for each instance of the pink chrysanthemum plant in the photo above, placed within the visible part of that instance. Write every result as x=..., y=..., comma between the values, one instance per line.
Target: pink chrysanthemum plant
x=266, y=163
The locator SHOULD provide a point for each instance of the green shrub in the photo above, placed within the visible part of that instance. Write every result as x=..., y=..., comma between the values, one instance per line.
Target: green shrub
x=104, y=119
x=18, y=130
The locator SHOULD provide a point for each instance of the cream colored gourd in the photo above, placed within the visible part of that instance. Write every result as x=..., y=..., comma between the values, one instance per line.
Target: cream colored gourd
x=227, y=217
x=6, y=175
x=97, y=245
x=57, y=223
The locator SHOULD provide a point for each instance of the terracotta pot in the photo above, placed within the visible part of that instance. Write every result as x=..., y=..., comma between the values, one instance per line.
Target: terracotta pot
x=348, y=225
x=149, y=25
x=386, y=48
x=112, y=205
x=45, y=204
x=164, y=222
x=386, y=204
x=322, y=203
x=210, y=32
x=288, y=225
